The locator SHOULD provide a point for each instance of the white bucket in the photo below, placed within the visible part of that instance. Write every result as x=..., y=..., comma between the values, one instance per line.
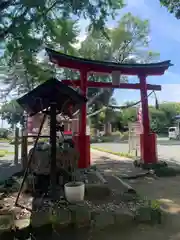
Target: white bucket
x=74, y=191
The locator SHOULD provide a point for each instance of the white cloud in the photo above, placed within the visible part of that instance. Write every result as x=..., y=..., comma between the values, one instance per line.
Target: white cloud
x=167, y=24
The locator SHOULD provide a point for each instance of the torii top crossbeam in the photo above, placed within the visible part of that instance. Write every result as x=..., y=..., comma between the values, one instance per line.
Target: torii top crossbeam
x=151, y=69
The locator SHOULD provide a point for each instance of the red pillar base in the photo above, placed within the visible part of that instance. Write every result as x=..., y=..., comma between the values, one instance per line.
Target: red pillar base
x=85, y=156
x=148, y=147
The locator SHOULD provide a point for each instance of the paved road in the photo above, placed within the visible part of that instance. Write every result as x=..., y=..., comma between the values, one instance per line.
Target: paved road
x=9, y=147
x=168, y=150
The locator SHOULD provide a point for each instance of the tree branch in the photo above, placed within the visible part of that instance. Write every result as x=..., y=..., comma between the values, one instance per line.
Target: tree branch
x=4, y=33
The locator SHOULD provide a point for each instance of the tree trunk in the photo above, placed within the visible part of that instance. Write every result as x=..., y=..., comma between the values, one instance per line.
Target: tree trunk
x=107, y=128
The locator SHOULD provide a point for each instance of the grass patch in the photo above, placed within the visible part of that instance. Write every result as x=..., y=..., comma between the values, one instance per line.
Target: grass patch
x=161, y=168
x=12, y=142
x=120, y=154
x=4, y=140
x=4, y=152
x=167, y=172
x=9, y=153
x=143, y=210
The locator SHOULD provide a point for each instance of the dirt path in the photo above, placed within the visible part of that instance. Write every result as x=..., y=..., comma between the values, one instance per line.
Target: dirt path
x=166, y=190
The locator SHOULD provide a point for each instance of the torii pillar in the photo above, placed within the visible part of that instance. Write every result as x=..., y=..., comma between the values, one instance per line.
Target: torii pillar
x=148, y=144
x=83, y=140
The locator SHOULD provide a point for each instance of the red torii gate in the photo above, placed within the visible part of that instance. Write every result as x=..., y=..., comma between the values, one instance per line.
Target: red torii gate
x=85, y=66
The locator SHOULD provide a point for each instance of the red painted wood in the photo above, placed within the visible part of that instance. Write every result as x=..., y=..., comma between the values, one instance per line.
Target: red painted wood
x=84, y=143
x=109, y=85
x=144, y=103
x=148, y=148
x=103, y=69
x=77, y=63
x=148, y=143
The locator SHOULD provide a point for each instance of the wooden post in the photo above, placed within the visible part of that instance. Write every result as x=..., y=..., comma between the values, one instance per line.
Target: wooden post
x=24, y=145
x=16, y=146
x=53, y=173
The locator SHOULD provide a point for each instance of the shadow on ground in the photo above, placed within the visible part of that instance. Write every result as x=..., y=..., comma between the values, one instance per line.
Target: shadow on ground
x=7, y=169
x=165, y=190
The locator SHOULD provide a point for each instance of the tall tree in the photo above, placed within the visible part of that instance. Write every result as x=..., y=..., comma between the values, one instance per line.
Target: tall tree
x=11, y=112
x=128, y=43
x=23, y=71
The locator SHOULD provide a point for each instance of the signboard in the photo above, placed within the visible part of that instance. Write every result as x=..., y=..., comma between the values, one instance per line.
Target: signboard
x=135, y=129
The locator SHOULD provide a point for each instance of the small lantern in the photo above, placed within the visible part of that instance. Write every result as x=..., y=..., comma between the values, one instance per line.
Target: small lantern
x=116, y=76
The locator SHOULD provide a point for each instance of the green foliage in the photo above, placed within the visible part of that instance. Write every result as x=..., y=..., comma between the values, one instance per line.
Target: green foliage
x=23, y=69
x=158, y=119
x=128, y=115
x=12, y=112
x=20, y=18
x=148, y=211
x=4, y=133
x=161, y=119
x=4, y=152
x=121, y=154
x=173, y=6
x=27, y=27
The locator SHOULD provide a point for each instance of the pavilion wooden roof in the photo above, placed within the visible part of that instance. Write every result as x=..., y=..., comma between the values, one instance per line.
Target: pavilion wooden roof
x=50, y=91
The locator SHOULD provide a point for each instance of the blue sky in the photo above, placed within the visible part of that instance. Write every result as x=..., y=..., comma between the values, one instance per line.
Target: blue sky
x=165, y=39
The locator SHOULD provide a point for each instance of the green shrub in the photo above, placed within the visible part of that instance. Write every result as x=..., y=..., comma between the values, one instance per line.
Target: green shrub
x=116, y=134
x=3, y=140
x=3, y=153
x=4, y=133
x=107, y=138
x=125, y=136
x=13, y=141
x=121, y=154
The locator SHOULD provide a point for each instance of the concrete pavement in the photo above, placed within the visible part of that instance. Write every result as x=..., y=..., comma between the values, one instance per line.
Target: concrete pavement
x=167, y=149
